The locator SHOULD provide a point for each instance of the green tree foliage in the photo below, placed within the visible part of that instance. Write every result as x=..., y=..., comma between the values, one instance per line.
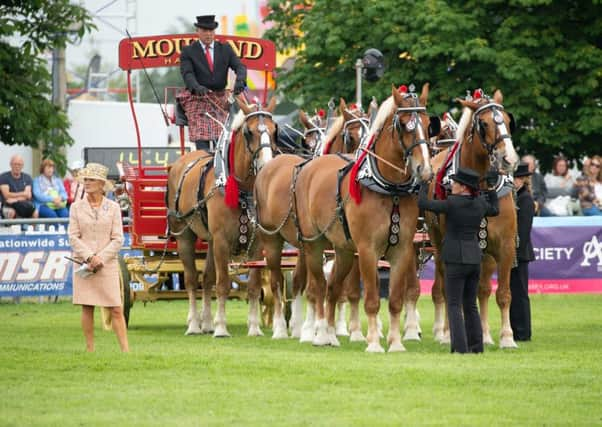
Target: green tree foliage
x=29, y=29
x=544, y=55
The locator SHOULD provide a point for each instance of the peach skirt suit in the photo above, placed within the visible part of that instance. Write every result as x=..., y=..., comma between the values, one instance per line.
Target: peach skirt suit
x=96, y=231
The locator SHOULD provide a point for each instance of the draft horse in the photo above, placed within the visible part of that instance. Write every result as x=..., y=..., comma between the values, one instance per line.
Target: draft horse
x=373, y=224
x=197, y=209
x=276, y=224
x=484, y=141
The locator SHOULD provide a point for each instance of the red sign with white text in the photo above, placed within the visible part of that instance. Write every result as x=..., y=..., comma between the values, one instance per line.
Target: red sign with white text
x=164, y=51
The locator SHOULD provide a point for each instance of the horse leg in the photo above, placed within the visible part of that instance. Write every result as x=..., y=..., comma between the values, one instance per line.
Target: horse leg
x=220, y=259
x=186, y=253
x=503, y=295
x=411, y=327
x=208, y=285
x=367, y=263
x=354, y=294
x=403, y=274
x=487, y=269
x=313, y=254
x=341, y=319
x=342, y=266
x=254, y=294
x=440, y=324
x=299, y=282
x=273, y=255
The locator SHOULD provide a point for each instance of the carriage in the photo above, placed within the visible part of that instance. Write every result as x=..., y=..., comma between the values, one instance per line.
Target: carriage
x=145, y=277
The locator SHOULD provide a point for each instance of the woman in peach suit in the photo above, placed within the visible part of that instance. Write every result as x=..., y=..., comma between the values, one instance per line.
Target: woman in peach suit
x=96, y=236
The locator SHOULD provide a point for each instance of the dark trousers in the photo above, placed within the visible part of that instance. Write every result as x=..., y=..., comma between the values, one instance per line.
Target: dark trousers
x=520, y=307
x=202, y=144
x=461, y=283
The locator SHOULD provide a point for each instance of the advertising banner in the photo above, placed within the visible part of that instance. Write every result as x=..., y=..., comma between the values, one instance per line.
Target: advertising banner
x=568, y=257
x=34, y=264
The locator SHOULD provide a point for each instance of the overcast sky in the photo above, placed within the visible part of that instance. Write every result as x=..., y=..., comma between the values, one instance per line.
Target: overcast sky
x=152, y=17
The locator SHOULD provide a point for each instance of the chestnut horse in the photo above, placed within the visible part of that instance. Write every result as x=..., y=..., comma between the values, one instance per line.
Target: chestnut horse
x=276, y=223
x=198, y=210
x=380, y=225
x=484, y=141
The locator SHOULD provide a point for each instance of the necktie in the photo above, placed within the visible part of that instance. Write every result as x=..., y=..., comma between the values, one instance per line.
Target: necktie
x=209, y=60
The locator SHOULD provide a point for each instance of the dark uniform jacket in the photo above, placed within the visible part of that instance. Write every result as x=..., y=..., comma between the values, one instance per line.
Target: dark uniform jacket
x=525, y=213
x=463, y=217
x=195, y=69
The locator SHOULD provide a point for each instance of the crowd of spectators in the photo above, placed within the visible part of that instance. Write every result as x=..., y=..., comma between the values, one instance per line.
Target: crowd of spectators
x=564, y=191
x=45, y=196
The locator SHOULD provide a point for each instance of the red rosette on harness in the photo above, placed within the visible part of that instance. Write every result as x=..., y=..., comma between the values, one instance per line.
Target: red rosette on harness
x=231, y=190
x=355, y=190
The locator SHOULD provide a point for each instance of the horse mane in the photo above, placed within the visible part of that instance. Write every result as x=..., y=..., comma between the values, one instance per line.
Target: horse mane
x=238, y=120
x=386, y=109
x=465, y=121
x=335, y=129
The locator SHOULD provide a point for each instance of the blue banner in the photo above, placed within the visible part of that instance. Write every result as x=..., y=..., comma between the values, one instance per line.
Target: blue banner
x=35, y=264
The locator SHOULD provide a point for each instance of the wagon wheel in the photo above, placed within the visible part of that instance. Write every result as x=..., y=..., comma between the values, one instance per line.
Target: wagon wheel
x=126, y=296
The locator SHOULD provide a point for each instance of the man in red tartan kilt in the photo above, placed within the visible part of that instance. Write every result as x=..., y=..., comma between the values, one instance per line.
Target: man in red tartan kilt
x=204, y=67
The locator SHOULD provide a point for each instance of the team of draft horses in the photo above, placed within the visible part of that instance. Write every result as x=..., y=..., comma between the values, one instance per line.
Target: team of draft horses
x=353, y=189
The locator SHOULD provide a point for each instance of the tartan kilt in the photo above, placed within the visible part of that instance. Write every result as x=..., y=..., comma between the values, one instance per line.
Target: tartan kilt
x=195, y=106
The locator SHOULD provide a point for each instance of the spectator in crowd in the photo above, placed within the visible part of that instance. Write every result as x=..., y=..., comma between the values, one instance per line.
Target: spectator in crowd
x=96, y=236
x=596, y=177
x=559, y=184
x=585, y=188
x=49, y=195
x=538, y=186
x=520, y=306
x=73, y=186
x=15, y=191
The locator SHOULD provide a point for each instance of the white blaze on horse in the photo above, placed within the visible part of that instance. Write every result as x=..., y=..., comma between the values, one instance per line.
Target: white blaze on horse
x=200, y=207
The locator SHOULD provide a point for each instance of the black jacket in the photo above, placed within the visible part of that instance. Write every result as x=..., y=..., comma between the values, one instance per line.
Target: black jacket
x=463, y=217
x=195, y=69
x=525, y=213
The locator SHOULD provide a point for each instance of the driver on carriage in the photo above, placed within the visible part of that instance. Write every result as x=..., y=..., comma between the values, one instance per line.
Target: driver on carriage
x=204, y=67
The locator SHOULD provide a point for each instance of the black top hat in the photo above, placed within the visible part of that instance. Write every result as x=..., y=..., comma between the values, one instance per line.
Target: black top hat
x=467, y=177
x=522, y=170
x=206, y=21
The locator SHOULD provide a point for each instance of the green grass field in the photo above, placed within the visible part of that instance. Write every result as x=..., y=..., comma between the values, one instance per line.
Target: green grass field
x=169, y=379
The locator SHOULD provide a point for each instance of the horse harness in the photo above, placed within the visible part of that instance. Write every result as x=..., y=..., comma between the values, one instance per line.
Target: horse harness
x=479, y=126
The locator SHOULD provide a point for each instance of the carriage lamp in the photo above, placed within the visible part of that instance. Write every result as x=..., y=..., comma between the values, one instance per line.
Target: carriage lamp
x=371, y=67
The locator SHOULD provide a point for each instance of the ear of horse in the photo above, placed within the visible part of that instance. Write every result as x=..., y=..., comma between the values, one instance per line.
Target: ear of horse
x=434, y=126
x=498, y=98
x=469, y=104
x=512, y=122
x=342, y=106
x=271, y=105
x=398, y=97
x=304, y=120
x=424, y=95
x=242, y=103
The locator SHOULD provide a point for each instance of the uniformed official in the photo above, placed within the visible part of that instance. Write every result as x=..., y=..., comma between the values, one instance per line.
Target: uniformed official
x=464, y=209
x=204, y=67
x=520, y=306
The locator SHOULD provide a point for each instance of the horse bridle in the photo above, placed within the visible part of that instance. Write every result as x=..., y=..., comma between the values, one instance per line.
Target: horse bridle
x=501, y=132
x=413, y=125
x=316, y=129
x=264, y=137
x=364, y=123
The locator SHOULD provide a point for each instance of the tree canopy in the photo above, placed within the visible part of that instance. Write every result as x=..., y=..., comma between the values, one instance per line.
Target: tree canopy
x=544, y=55
x=28, y=29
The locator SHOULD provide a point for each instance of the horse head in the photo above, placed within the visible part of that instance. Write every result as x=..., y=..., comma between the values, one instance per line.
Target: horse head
x=413, y=128
x=492, y=127
x=355, y=126
x=314, y=128
x=259, y=131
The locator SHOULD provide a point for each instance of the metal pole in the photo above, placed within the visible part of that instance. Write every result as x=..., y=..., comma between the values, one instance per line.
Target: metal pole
x=358, y=82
